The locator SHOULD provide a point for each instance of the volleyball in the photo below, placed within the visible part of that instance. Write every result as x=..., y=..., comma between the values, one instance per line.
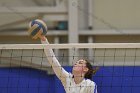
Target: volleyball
x=37, y=28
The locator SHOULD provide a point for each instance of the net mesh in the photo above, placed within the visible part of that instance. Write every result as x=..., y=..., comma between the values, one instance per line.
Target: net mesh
x=25, y=68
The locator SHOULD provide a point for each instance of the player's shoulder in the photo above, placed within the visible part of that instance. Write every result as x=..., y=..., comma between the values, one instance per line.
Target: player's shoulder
x=90, y=82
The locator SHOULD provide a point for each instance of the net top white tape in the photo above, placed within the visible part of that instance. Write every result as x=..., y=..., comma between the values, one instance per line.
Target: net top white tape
x=70, y=45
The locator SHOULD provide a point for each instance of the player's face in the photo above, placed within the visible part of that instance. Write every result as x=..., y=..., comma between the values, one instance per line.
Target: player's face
x=80, y=66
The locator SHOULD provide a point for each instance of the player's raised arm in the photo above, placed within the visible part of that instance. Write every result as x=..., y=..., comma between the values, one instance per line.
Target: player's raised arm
x=58, y=69
x=38, y=29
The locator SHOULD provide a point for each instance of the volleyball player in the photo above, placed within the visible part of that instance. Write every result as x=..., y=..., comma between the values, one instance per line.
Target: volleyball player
x=79, y=81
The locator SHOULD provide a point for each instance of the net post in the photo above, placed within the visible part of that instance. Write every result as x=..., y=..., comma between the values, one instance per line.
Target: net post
x=90, y=11
x=73, y=26
x=90, y=51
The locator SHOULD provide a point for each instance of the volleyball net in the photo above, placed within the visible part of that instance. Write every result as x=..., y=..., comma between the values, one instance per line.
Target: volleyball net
x=119, y=64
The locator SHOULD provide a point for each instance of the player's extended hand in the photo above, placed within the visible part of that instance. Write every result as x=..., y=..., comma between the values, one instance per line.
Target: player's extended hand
x=42, y=37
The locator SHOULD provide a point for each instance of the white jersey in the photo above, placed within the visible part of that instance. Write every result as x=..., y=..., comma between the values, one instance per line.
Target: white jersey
x=86, y=86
